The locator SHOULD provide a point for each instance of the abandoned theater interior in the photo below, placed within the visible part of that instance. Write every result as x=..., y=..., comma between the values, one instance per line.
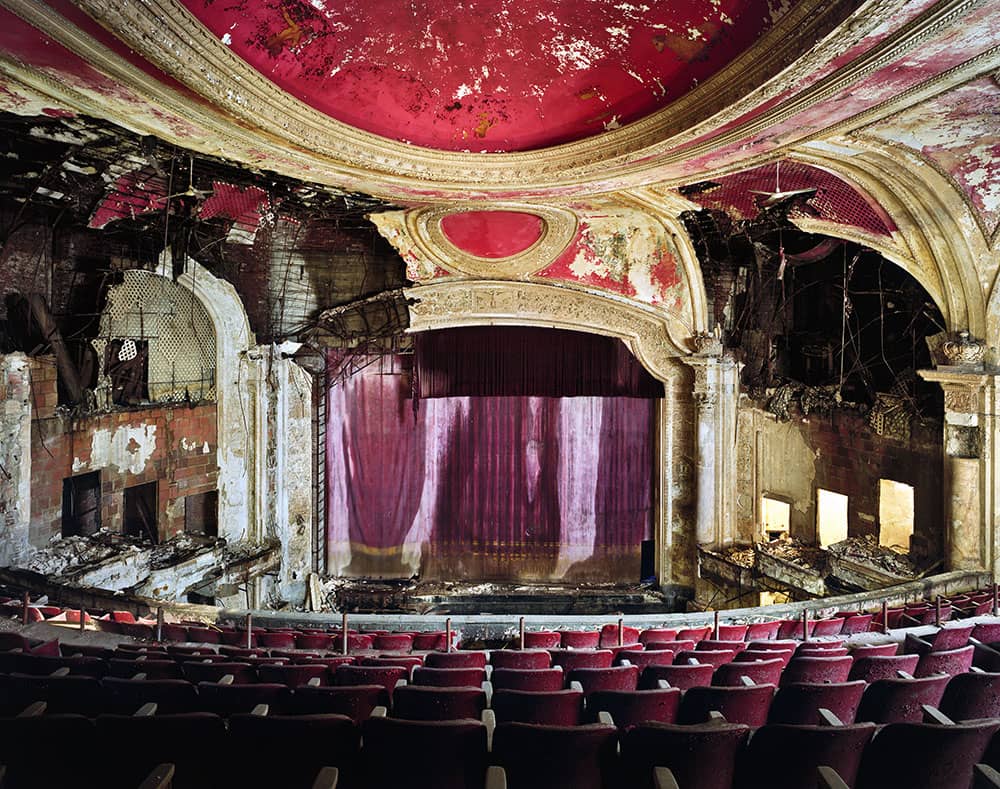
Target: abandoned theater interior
x=501, y=393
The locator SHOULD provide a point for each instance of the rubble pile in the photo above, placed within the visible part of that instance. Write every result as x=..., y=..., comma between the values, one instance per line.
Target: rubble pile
x=791, y=550
x=742, y=555
x=65, y=554
x=866, y=550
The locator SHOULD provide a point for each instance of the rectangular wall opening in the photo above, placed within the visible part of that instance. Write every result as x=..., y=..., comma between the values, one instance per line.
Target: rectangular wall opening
x=201, y=513
x=895, y=514
x=831, y=517
x=775, y=516
x=140, y=512
x=81, y=505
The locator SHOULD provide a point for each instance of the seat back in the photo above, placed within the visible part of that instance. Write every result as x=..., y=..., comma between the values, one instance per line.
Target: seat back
x=293, y=675
x=609, y=636
x=26, y=751
x=393, y=642
x=541, y=639
x=859, y=623
x=874, y=650
x=950, y=662
x=468, y=659
x=970, y=696
x=631, y=707
x=71, y=694
x=702, y=755
x=646, y=657
x=733, y=632
x=237, y=698
x=800, y=703
x=195, y=671
x=951, y=637
x=537, y=679
x=682, y=677
x=520, y=658
x=449, y=677
x=781, y=756
x=879, y=667
x=762, y=672
x=762, y=631
x=752, y=655
x=743, y=704
x=817, y=669
x=540, y=757
x=713, y=644
x=900, y=700
x=414, y=702
x=386, y=676
x=656, y=635
x=125, y=696
x=615, y=678
x=579, y=639
x=828, y=627
x=570, y=658
x=422, y=754
x=557, y=708
x=354, y=701
x=714, y=657
x=925, y=756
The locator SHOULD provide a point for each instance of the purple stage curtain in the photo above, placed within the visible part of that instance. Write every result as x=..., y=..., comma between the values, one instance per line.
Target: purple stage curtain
x=485, y=488
x=513, y=361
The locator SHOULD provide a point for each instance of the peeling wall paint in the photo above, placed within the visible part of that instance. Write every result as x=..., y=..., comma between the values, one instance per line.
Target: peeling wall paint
x=15, y=457
x=960, y=132
x=126, y=449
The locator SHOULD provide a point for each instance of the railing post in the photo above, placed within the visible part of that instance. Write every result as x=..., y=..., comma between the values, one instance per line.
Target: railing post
x=805, y=624
x=621, y=631
x=159, y=623
x=24, y=610
x=83, y=619
x=715, y=629
x=996, y=600
x=937, y=611
x=520, y=635
x=885, y=616
x=343, y=633
x=447, y=634
x=249, y=631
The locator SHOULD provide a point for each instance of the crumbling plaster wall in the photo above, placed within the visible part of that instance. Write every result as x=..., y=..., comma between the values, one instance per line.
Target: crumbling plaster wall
x=15, y=457
x=841, y=453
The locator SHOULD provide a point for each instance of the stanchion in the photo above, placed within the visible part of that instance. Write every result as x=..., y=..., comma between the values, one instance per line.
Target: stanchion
x=996, y=600
x=249, y=631
x=343, y=634
x=27, y=605
x=937, y=611
x=805, y=624
x=83, y=620
x=885, y=616
x=621, y=631
x=520, y=637
x=715, y=629
x=447, y=634
x=159, y=624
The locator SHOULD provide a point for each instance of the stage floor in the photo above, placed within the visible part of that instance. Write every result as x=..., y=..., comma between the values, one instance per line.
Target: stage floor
x=356, y=595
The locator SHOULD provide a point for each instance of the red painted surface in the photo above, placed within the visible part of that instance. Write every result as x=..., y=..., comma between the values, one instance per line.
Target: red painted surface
x=134, y=193
x=835, y=201
x=487, y=75
x=242, y=205
x=492, y=234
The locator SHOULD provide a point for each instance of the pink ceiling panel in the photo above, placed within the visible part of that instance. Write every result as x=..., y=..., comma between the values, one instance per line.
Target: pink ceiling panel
x=492, y=234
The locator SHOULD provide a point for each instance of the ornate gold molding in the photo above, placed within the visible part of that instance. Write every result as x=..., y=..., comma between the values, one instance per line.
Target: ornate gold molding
x=652, y=337
x=558, y=230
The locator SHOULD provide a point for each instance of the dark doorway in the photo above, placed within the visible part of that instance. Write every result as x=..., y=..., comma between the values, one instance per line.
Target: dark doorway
x=201, y=513
x=81, y=505
x=140, y=512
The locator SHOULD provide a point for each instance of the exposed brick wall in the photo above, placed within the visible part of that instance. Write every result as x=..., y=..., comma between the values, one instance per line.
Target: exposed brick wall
x=172, y=445
x=851, y=459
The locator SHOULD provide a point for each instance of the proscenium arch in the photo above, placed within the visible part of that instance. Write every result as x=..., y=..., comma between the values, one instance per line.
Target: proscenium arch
x=650, y=335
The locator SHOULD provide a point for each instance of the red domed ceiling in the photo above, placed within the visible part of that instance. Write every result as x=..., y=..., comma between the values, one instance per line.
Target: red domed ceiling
x=488, y=75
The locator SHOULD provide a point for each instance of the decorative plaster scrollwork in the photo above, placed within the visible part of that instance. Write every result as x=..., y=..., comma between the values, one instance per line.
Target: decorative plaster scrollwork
x=451, y=304
x=961, y=400
x=559, y=229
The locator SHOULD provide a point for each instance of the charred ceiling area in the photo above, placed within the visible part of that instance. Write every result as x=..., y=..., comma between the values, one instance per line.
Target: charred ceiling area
x=816, y=321
x=83, y=201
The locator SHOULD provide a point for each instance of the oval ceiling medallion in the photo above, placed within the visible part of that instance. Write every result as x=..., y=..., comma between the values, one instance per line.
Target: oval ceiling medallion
x=497, y=242
x=492, y=234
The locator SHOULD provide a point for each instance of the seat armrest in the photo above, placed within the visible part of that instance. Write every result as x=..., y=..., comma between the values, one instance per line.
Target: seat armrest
x=326, y=778
x=487, y=687
x=380, y=712
x=575, y=685
x=664, y=779
x=693, y=662
x=904, y=674
x=313, y=682
x=747, y=682
x=985, y=777
x=140, y=677
x=496, y=778
x=489, y=720
x=827, y=718
x=161, y=777
x=401, y=683
x=829, y=779
x=605, y=717
x=662, y=684
x=976, y=670
x=63, y=671
x=260, y=710
x=714, y=716
x=227, y=679
x=626, y=662
x=146, y=710
x=34, y=710
x=934, y=715
x=489, y=672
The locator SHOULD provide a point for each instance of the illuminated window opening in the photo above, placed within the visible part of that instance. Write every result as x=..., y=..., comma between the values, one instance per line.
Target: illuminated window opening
x=775, y=516
x=831, y=517
x=895, y=514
